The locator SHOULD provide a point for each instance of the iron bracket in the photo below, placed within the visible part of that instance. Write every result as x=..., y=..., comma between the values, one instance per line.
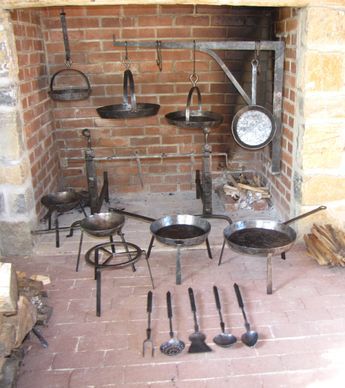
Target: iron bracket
x=208, y=47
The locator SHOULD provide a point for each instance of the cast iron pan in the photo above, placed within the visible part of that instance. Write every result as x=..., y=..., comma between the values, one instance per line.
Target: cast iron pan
x=129, y=108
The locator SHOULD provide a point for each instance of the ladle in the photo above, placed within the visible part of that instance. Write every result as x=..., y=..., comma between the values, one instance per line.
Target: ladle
x=223, y=339
x=173, y=346
x=250, y=337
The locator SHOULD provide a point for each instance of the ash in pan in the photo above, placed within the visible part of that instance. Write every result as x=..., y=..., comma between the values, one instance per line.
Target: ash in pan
x=254, y=128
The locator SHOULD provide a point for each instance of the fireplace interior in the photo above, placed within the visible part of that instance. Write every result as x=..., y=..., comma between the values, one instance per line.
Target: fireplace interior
x=43, y=144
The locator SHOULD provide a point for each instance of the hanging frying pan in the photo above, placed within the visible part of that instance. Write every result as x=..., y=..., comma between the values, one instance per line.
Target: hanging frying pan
x=253, y=127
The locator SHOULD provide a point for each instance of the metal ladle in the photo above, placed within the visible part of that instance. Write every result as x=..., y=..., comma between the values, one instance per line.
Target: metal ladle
x=173, y=346
x=223, y=339
x=250, y=337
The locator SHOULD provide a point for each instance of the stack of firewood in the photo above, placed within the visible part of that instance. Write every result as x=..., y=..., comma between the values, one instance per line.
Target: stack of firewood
x=326, y=244
x=240, y=187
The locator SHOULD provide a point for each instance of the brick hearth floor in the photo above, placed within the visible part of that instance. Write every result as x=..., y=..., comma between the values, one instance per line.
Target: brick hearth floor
x=301, y=325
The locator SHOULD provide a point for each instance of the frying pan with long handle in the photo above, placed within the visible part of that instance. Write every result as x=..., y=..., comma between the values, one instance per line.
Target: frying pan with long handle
x=263, y=237
x=179, y=230
x=253, y=126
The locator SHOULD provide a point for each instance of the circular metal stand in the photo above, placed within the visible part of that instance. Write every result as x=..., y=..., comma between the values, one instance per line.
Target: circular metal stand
x=113, y=255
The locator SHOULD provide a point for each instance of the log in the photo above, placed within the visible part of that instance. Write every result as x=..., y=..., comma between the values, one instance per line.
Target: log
x=326, y=244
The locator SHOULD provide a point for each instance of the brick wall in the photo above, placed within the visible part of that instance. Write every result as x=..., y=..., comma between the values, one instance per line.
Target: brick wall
x=91, y=34
x=36, y=106
x=282, y=188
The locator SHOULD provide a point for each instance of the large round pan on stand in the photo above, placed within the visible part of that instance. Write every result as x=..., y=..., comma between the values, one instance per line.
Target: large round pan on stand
x=180, y=230
x=262, y=238
x=253, y=126
x=129, y=108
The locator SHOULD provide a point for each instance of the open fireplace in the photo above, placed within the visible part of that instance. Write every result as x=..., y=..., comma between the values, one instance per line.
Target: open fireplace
x=43, y=146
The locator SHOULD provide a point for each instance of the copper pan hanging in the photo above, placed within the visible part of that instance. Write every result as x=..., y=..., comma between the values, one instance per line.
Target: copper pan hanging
x=62, y=84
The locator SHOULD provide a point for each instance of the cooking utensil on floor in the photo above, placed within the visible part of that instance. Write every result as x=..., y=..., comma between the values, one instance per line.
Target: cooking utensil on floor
x=179, y=231
x=223, y=339
x=262, y=238
x=253, y=126
x=148, y=341
x=174, y=346
x=250, y=337
x=198, y=344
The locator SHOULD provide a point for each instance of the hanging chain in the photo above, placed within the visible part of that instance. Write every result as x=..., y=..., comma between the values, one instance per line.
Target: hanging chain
x=256, y=61
x=126, y=61
x=68, y=60
x=193, y=77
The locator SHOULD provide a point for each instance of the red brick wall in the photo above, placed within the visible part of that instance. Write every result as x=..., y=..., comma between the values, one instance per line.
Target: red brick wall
x=91, y=31
x=282, y=185
x=37, y=114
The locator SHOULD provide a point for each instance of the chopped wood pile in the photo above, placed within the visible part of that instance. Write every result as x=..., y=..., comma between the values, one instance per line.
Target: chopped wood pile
x=247, y=191
x=326, y=244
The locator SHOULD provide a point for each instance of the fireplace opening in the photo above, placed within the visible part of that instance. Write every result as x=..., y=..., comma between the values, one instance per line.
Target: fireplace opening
x=48, y=147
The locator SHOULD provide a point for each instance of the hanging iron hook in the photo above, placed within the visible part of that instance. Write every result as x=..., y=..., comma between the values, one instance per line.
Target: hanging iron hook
x=193, y=77
x=159, y=55
x=256, y=60
x=126, y=60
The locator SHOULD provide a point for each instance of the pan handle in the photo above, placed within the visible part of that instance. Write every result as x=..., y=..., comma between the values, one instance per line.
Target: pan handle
x=134, y=215
x=305, y=215
x=217, y=216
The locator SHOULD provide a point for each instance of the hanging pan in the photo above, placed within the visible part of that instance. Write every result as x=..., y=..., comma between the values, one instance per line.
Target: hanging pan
x=129, y=108
x=194, y=118
x=253, y=127
x=62, y=84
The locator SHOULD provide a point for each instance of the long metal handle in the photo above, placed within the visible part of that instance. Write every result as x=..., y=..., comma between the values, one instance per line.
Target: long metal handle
x=305, y=214
x=216, y=297
x=140, y=217
x=254, y=79
x=238, y=295
x=192, y=304
x=149, y=302
x=192, y=300
x=240, y=303
x=171, y=333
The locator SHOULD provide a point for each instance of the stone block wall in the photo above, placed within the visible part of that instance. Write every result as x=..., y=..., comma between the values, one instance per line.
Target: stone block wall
x=322, y=106
x=17, y=205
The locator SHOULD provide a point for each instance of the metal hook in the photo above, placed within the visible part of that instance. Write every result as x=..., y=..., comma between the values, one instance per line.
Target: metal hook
x=126, y=61
x=193, y=77
x=159, y=55
x=256, y=61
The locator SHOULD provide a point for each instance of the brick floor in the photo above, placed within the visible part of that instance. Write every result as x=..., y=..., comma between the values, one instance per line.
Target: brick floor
x=301, y=326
